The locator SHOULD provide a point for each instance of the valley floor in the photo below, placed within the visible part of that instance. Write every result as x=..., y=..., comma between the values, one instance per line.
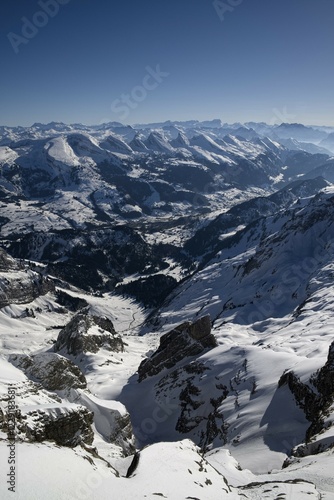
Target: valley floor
x=169, y=467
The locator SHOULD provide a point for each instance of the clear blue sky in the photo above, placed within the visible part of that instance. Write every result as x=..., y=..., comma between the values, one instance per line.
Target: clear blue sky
x=264, y=55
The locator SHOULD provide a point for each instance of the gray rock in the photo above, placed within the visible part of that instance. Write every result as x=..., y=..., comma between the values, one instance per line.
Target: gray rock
x=7, y=263
x=315, y=404
x=111, y=421
x=22, y=287
x=77, y=336
x=324, y=380
x=196, y=408
x=66, y=425
x=52, y=371
x=122, y=434
x=187, y=339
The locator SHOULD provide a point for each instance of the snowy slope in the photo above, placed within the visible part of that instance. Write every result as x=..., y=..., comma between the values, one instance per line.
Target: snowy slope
x=123, y=234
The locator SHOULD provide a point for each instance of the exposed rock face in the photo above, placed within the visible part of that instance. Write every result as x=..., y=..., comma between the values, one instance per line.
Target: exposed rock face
x=198, y=413
x=134, y=464
x=314, y=404
x=52, y=371
x=2, y=417
x=305, y=398
x=23, y=287
x=66, y=425
x=7, y=262
x=50, y=420
x=111, y=419
x=187, y=339
x=198, y=410
x=122, y=435
x=86, y=333
x=324, y=381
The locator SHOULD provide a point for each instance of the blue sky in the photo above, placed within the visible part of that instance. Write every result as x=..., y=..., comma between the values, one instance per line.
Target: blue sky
x=91, y=61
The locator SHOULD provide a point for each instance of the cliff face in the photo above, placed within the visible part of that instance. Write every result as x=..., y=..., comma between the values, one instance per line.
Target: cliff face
x=187, y=339
x=52, y=371
x=42, y=416
x=121, y=433
x=85, y=333
x=66, y=425
x=7, y=263
x=18, y=283
x=181, y=381
x=315, y=402
x=324, y=379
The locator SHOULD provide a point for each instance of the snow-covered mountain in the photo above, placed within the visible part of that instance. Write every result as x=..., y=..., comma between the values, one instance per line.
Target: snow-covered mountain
x=166, y=301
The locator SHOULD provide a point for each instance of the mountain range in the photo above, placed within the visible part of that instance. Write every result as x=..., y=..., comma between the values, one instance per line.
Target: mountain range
x=166, y=305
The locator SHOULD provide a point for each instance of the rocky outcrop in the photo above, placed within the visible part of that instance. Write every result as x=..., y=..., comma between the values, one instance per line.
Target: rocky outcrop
x=199, y=411
x=111, y=420
x=324, y=379
x=52, y=371
x=133, y=465
x=187, y=339
x=7, y=263
x=314, y=403
x=85, y=333
x=23, y=287
x=121, y=434
x=305, y=398
x=67, y=425
x=2, y=418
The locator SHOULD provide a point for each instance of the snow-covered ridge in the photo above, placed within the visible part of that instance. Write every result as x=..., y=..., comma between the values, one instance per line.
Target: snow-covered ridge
x=168, y=289
x=71, y=176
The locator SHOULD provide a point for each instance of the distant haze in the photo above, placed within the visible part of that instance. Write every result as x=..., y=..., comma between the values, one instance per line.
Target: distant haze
x=137, y=62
